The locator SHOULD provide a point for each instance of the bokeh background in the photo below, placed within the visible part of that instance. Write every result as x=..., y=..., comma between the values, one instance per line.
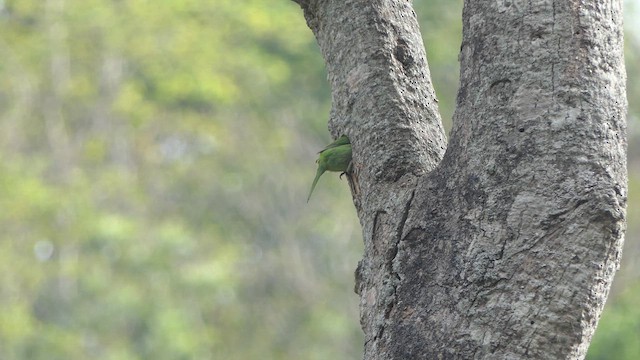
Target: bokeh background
x=155, y=158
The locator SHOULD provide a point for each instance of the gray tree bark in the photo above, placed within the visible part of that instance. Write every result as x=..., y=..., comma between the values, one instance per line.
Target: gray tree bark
x=503, y=246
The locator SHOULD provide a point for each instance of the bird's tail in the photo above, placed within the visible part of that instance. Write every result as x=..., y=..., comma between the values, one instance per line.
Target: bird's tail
x=315, y=181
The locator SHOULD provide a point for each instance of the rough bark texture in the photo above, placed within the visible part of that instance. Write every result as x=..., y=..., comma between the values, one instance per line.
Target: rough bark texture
x=505, y=247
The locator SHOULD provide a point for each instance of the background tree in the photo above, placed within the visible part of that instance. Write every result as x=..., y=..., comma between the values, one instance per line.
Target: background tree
x=507, y=249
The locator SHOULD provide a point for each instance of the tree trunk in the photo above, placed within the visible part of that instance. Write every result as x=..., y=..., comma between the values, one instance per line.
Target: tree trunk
x=505, y=246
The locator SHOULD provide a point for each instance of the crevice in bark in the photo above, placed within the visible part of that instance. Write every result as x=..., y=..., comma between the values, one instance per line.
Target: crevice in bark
x=403, y=55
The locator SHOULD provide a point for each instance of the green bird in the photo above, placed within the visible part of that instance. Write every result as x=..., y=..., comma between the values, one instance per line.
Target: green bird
x=335, y=157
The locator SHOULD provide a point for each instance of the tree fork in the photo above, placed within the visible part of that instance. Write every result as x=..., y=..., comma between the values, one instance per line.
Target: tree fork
x=505, y=246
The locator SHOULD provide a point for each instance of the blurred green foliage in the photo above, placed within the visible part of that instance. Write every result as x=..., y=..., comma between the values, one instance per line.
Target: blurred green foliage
x=617, y=335
x=154, y=163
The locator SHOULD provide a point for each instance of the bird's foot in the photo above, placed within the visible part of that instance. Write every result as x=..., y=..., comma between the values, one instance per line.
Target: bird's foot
x=348, y=171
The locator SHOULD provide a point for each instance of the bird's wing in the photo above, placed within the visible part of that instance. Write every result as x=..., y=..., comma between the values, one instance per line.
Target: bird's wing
x=342, y=140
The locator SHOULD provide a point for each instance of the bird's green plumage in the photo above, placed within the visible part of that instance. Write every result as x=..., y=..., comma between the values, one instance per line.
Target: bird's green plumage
x=342, y=140
x=335, y=157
